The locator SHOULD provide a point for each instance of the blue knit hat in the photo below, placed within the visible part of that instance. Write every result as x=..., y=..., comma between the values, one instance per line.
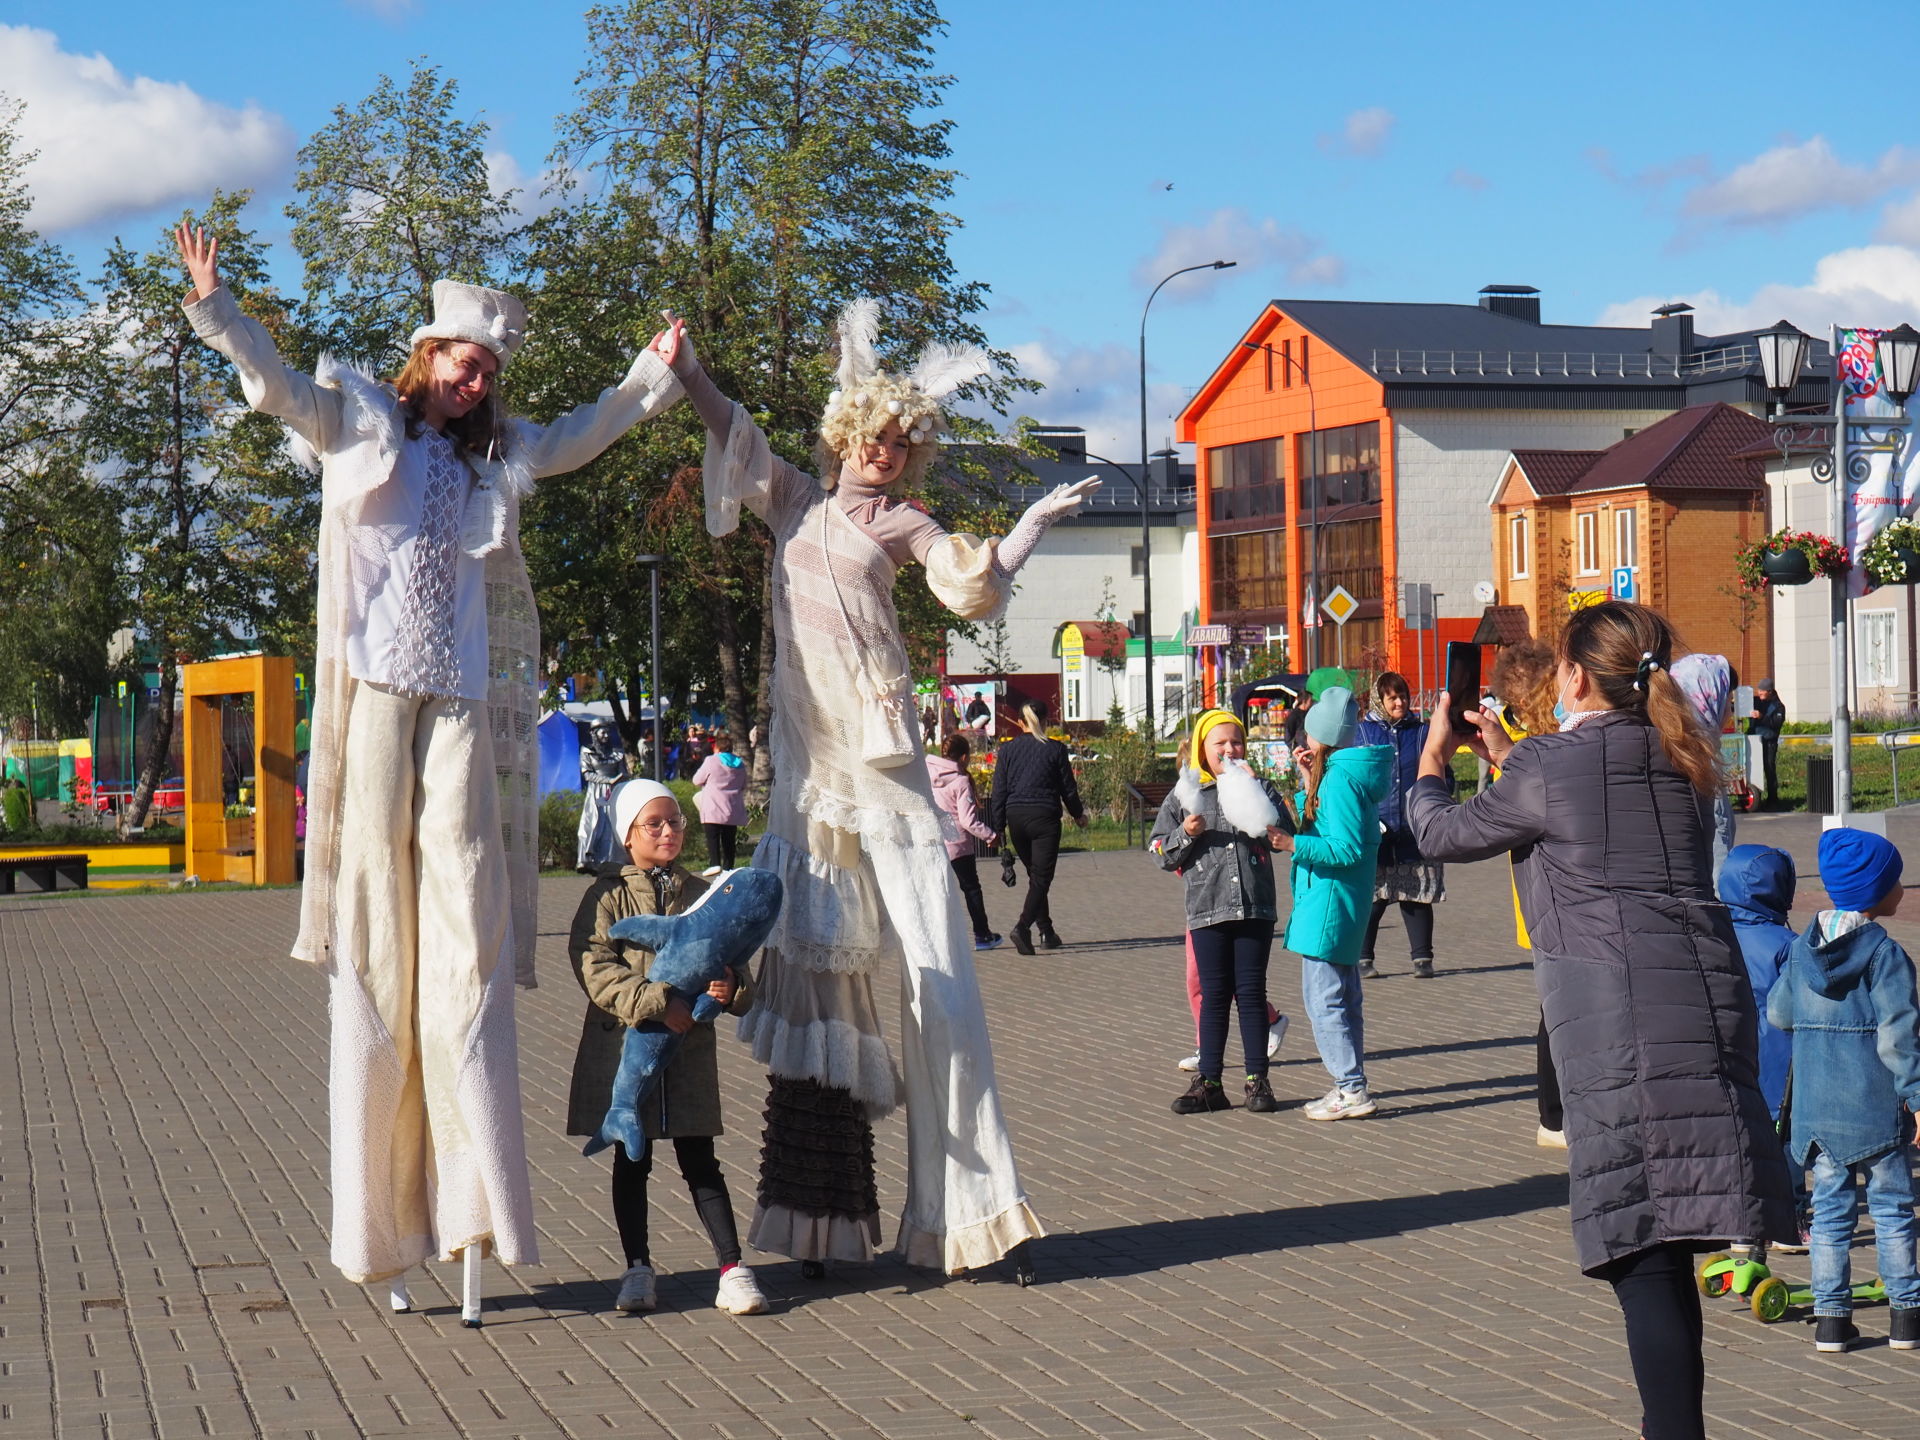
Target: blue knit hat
x=1858, y=868
x=1333, y=718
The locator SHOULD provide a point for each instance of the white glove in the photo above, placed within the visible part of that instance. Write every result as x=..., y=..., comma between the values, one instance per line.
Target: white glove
x=1063, y=499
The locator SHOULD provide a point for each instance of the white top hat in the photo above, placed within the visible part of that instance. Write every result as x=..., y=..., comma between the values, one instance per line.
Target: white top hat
x=480, y=316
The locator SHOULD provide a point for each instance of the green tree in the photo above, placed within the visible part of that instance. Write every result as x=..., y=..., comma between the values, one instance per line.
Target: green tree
x=761, y=164
x=218, y=522
x=393, y=194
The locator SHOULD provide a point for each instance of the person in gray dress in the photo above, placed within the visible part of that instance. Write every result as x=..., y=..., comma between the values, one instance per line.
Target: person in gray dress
x=1648, y=1009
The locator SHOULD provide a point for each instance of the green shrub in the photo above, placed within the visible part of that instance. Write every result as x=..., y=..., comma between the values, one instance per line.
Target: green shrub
x=16, y=809
x=559, y=829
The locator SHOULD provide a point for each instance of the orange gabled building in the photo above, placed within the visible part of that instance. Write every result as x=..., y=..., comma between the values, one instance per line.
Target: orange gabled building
x=1381, y=428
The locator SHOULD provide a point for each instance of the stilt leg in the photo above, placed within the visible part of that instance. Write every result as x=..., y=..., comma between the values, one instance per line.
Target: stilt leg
x=397, y=1297
x=470, y=1287
x=1022, y=1258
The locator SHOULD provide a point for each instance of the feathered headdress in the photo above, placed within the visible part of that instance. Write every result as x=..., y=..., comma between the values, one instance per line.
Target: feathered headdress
x=867, y=397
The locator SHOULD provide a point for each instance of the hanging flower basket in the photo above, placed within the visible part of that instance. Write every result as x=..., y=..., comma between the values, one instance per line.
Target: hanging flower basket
x=1789, y=557
x=1893, y=556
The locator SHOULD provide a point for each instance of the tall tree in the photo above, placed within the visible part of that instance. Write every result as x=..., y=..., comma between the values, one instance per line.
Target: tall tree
x=393, y=194
x=782, y=160
x=218, y=521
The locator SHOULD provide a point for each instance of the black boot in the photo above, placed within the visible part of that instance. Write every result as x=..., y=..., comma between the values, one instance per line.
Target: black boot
x=1022, y=939
x=1048, y=940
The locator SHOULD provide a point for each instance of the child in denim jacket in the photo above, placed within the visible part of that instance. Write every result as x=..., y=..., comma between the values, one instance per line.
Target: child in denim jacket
x=1846, y=993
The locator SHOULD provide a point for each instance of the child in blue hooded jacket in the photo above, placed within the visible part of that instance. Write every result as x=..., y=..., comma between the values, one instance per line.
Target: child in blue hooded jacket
x=1333, y=863
x=1846, y=994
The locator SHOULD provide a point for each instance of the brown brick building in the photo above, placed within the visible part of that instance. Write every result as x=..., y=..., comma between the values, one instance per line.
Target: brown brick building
x=1669, y=505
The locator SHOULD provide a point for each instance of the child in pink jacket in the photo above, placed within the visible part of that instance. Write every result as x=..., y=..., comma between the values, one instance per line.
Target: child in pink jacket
x=953, y=793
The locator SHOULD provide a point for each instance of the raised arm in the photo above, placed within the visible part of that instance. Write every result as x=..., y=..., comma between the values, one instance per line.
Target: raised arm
x=582, y=433
x=271, y=387
x=1511, y=814
x=740, y=467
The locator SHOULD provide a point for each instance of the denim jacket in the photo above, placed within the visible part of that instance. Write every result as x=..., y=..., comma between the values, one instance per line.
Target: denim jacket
x=1229, y=875
x=1850, y=1005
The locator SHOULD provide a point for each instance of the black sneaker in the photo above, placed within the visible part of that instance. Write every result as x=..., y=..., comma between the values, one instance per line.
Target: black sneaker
x=1203, y=1095
x=1904, y=1332
x=1260, y=1096
x=1022, y=939
x=1834, y=1334
x=1423, y=969
x=1049, y=940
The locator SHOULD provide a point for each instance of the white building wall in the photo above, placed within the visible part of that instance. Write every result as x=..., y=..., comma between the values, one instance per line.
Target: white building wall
x=1446, y=463
x=1064, y=579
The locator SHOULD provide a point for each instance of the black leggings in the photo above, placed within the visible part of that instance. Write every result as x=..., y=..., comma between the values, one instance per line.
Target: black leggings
x=1036, y=840
x=1231, y=961
x=720, y=840
x=700, y=1168
x=966, y=869
x=1661, y=1300
x=1418, y=919
x=1552, y=1114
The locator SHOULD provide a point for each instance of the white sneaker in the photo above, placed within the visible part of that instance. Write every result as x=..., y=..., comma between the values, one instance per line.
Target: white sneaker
x=1192, y=1062
x=1338, y=1104
x=636, y=1290
x=740, y=1293
x=1276, y=1037
x=1550, y=1139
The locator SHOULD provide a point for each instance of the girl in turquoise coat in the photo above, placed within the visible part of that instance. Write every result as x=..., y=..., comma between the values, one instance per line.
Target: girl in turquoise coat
x=1333, y=862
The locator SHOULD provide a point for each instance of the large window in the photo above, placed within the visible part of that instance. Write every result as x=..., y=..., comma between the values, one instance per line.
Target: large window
x=1249, y=572
x=1874, y=655
x=1346, y=462
x=1517, y=546
x=1587, y=530
x=1350, y=556
x=1247, y=481
x=1626, y=536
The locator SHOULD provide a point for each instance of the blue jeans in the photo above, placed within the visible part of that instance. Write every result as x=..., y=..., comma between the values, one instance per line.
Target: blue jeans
x=1836, y=1208
x=1332, y=1001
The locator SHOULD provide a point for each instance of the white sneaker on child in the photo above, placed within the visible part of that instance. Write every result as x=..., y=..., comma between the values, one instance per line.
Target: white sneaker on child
x=1338, y=1104
x=1192, y=1062
x=740, y=1293
x=636, y=1290
x=1276, y=1037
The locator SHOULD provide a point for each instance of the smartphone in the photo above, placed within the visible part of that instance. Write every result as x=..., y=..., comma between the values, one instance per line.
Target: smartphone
x=1463, y=683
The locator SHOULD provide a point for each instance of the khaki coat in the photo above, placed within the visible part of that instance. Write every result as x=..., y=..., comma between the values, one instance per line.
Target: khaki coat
x=614, y=976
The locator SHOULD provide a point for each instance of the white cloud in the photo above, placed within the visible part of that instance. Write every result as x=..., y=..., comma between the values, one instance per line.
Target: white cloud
x=1900, y=222
x=1232, y=234
x=1364, y=132
x=112, y=145
x=1097, y=389
x=1789, y=181
x=533, y=195
x=1876, y=285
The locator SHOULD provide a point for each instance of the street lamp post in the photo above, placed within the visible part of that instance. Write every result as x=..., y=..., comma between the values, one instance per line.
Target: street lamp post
x=1142, y=487
x=1146, y=573
x=1783, y=351
x=1313, y=513
x=653, y=564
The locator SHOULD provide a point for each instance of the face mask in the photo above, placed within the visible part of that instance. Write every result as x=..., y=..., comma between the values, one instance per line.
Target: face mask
x=1560, y=712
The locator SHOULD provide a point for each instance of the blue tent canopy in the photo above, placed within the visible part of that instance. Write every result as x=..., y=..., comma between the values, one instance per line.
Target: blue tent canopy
x=559, y=753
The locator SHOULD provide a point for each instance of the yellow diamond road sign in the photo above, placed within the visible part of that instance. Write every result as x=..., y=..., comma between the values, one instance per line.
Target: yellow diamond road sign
x=1339, y=605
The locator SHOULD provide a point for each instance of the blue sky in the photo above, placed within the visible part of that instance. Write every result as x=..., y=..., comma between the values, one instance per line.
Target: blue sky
x=1394, y=152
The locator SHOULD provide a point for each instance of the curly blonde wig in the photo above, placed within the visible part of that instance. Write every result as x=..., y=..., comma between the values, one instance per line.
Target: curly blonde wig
x=857, y=419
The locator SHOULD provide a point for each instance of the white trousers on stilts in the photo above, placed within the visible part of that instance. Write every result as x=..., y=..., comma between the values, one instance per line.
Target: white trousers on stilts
x=429, y=1153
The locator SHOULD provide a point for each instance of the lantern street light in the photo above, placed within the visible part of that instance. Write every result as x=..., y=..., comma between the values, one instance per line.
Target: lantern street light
x=1146, y=579
x=653, y=564
x=1854, y=440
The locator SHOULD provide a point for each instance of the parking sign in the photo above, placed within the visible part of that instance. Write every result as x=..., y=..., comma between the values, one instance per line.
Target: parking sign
x=1623, y=582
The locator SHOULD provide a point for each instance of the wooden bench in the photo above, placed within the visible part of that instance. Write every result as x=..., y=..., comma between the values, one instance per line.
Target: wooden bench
x=42, y=874
x=1144, y=800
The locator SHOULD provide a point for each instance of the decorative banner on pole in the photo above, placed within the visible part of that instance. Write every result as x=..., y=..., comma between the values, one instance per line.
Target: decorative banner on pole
x=1309, y=610
x=1886, y=492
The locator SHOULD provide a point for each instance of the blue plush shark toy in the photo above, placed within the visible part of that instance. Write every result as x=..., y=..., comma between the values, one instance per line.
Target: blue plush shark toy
x=721, y=929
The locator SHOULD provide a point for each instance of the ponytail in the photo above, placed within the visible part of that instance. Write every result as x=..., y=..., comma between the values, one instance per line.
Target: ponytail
x=1626, y=650
x=1312, y=808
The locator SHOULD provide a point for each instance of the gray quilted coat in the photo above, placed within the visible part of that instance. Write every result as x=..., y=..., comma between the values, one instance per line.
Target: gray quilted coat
x=1649, y=1013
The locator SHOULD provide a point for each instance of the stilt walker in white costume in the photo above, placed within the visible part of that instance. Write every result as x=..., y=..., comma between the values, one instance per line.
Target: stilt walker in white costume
x=421, y=831
x=853, y=830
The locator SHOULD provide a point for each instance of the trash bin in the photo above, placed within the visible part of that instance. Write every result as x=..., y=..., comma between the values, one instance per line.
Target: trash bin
x=1820, y=784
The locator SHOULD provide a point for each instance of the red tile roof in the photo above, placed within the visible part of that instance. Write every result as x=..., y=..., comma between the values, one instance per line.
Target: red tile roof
x=1699, y=448
x=1554, y=472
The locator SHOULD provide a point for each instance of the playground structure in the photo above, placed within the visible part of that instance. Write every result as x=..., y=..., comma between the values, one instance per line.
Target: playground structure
x=258, y=850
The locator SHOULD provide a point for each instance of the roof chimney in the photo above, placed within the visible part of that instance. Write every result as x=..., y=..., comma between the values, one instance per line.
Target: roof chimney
x=1673, y=330
x=1068, y=442
x=1519, y=302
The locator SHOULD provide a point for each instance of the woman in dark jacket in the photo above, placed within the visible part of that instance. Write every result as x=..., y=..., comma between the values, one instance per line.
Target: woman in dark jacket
x=1032, y=779
x=1402, y=874
x=1648, y=1010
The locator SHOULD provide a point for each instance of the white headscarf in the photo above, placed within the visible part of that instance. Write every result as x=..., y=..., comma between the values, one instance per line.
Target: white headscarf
x=630, y=797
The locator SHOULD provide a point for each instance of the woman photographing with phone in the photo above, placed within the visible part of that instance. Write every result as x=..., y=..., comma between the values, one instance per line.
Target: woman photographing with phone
x=1649, y=1017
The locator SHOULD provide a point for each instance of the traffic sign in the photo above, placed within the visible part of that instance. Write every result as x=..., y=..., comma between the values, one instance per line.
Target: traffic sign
x=1339, y=605
x=1623, y=582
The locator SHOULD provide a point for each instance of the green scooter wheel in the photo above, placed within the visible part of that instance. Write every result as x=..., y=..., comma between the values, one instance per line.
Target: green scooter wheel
x=1771, y=1299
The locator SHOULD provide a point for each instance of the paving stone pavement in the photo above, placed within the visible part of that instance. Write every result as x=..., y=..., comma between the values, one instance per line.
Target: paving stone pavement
x=163, y=1209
